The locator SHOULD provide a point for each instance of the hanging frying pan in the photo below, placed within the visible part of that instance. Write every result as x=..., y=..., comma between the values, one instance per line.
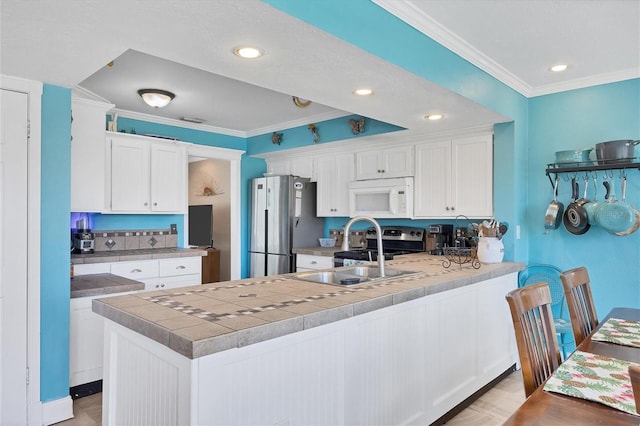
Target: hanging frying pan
x=554, y=212
x=615, y=216
x=575, y=217
x=591, y=207
x=636, y=223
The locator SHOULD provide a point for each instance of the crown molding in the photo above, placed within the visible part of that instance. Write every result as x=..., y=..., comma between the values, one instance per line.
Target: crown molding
x=422, y=22
x=581, y=83
x=412, y=15
x=330, y=115
x=230, y=132
x=178, y=123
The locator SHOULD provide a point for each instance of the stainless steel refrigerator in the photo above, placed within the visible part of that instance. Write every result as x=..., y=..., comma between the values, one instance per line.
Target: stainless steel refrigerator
x=283, y=218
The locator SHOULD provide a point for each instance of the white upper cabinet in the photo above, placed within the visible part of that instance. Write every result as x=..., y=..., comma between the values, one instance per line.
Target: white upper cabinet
x=333, y=174
x=88, y=155
x=454, y=177
x=146, y=176
x=385, y=163
x=297, y=166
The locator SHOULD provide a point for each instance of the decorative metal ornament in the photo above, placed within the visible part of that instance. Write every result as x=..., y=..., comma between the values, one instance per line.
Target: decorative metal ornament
x=276, y=138
x=314, y=131
x=357, y=126
x=301, y=103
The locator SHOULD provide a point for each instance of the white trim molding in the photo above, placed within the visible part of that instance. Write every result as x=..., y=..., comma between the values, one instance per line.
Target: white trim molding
x=34, y=91
x=418, y=19
x=57, y=410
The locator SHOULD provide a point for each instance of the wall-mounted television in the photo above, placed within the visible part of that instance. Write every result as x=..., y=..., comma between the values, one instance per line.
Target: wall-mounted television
x=201, y=225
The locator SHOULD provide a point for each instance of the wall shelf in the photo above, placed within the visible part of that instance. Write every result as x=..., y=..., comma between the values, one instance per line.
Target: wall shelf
x=587, y=166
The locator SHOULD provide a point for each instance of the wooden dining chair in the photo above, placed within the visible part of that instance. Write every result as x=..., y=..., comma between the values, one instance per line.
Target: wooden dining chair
x=535, y=333
x=550, y=274
x=582, y=310
x=634, y=374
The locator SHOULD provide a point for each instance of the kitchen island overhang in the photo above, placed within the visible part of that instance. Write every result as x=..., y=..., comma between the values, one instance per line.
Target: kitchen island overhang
x=279, y=336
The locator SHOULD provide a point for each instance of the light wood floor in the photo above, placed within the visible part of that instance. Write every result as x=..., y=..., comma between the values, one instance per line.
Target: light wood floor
x=492, y=408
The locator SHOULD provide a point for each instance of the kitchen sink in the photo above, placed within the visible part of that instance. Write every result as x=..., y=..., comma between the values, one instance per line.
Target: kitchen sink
x=349, y=275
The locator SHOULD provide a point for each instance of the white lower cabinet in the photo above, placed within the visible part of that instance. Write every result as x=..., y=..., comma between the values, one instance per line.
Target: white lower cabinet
x=306, y=262
x=333, y=174
x=408, y=363
x=86, y=327
x=454, y=177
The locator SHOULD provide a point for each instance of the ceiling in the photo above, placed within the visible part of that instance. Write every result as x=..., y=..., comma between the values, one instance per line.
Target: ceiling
x=70, y=43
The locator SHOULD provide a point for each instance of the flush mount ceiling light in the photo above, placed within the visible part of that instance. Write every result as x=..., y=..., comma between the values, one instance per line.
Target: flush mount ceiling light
x=558, y=68
x=155, y=97
x=248, y=52
x=434, y=117
x=363, y=92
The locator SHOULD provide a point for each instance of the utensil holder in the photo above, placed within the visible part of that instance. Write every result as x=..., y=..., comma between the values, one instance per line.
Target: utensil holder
x=490, y=250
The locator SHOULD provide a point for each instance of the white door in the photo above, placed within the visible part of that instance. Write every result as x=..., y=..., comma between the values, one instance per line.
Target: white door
x=13, y=257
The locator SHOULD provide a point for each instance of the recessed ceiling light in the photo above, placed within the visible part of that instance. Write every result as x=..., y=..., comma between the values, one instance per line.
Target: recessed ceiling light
x=558, y=68
x=434, y=117
x=248, y=52
x=363, y=92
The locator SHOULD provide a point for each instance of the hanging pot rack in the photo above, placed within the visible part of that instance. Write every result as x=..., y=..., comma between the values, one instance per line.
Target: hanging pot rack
x=557, y=169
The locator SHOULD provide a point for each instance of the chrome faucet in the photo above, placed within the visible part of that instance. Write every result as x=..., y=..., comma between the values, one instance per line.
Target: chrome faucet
x=345, y=242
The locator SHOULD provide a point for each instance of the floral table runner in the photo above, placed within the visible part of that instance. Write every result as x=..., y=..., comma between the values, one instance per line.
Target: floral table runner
x=619, y=331
x=595, y=378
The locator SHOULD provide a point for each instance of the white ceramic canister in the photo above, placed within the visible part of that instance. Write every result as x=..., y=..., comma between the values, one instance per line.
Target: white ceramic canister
x=490, y=250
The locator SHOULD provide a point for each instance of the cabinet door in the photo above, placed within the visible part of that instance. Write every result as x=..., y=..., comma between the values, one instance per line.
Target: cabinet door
x=129, y=175
x=334, y=174
x=397, y=162
x=88, y=156
x=433, y=180
x=302, y=166
x=85, y=342
x=472, y=167
x=325, y=168
x=368, y=165
x=167, y=171
x=278, y=167
x=385, y=163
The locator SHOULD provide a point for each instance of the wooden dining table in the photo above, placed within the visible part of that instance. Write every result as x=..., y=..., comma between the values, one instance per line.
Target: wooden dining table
x=550, y=408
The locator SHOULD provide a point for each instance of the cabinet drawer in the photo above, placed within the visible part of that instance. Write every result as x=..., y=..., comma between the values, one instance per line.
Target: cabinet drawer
x=306, y=261
x=90, y=268
x=166, y=283
x=180, y=266
x=136, y=270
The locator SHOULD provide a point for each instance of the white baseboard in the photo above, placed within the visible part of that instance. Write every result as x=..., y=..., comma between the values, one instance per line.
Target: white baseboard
x=57, y=410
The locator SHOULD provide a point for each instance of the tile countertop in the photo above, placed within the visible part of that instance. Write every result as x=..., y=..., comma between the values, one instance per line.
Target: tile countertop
x=200, y=320
x=317, y=251
x=140, y=254
x=101, y=284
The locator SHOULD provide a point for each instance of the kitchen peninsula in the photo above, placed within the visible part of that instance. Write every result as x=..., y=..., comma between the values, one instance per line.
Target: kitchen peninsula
x=277, y=350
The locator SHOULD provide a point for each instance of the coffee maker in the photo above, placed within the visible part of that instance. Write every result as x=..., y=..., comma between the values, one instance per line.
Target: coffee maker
x=82, y=237
x=439, y=237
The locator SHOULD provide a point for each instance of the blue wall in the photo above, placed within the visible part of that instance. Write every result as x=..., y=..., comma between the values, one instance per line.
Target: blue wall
x=55, y=254
x=580, y=119
x=398, y=44
x=522, y=148
x=331, y=130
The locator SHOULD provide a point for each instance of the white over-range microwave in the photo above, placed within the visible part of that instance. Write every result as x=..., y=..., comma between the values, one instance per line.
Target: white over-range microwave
x=382, y=198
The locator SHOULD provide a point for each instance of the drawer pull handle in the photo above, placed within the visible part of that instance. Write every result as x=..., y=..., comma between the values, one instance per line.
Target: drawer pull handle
x=181, y=267
x=313, y=262
x=133, y=271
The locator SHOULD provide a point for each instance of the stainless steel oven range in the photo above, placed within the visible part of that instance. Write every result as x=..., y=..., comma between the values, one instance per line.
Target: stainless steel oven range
x=396, y=240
